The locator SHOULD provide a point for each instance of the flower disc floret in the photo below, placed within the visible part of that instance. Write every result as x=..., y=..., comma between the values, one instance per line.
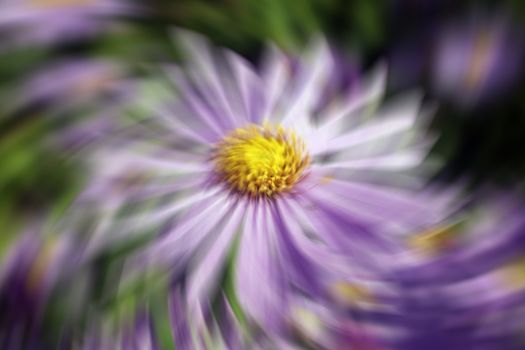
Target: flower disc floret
x=260, y=160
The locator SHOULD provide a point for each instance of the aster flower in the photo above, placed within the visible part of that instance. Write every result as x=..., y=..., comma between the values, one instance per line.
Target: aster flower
x=477, y=59
x=30, y=273
x=42, y=274
x=80, y=98
x=51, y=21
x=72, y=80
x=248, y=163
x=470, y=293
x=73, y=83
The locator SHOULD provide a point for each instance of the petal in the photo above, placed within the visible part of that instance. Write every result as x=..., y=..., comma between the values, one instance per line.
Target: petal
x=206, y=76
x=250, y=88
x=389, y=207
x=197, y=104
x=275, y=75
x=182, y=241
x=180, y=324
x=317, y=72
x=302, y=269
x=352, y=108
x=159, y=215
x=363, y=243
x=205, y=273
x=172, y=116
x=258, y=275
x=390, y=125
x=394, y=162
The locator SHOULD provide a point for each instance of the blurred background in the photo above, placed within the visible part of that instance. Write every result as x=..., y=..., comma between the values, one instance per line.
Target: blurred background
x=59, y=60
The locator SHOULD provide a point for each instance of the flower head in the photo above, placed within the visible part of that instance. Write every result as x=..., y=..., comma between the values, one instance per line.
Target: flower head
x=259, y=167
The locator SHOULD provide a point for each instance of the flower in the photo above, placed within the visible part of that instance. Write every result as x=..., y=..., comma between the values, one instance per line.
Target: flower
x=58, y=21
x=47, y=301
x=477, y=60
x=470, y=295
x=30, y=274
x=244, y=164
x=79, y=85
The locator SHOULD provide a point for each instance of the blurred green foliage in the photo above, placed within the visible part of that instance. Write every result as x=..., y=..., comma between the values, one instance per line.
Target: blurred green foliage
x=246, y=25
x=33, y=177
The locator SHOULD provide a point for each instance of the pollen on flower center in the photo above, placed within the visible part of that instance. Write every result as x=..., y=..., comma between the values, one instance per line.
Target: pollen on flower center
x=260, y=160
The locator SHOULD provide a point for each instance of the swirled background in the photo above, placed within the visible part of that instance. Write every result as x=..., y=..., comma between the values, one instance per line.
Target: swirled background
x=108, y=240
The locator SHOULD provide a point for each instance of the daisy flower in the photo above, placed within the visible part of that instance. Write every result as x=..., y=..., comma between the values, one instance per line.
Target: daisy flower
x=257, y=166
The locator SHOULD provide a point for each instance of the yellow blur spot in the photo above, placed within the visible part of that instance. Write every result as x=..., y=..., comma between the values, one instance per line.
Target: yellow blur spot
x=93, y=84
x=435, y=240
x=480, y=60
x=326, y=179
x=307, y=322
x=513, y=274
x=39, y=267
x=349, y=293
x=260, y=160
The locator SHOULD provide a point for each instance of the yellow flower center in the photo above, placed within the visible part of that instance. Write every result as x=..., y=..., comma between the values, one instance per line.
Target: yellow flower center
x=260, y=160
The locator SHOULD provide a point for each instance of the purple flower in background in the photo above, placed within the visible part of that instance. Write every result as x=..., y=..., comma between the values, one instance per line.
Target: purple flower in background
x=462, y=286
x=478, y=59
x=41, y=272
x=52, y=21
x=30, y=272
x=468, y=294
x=247, y=163
x=67, y=85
